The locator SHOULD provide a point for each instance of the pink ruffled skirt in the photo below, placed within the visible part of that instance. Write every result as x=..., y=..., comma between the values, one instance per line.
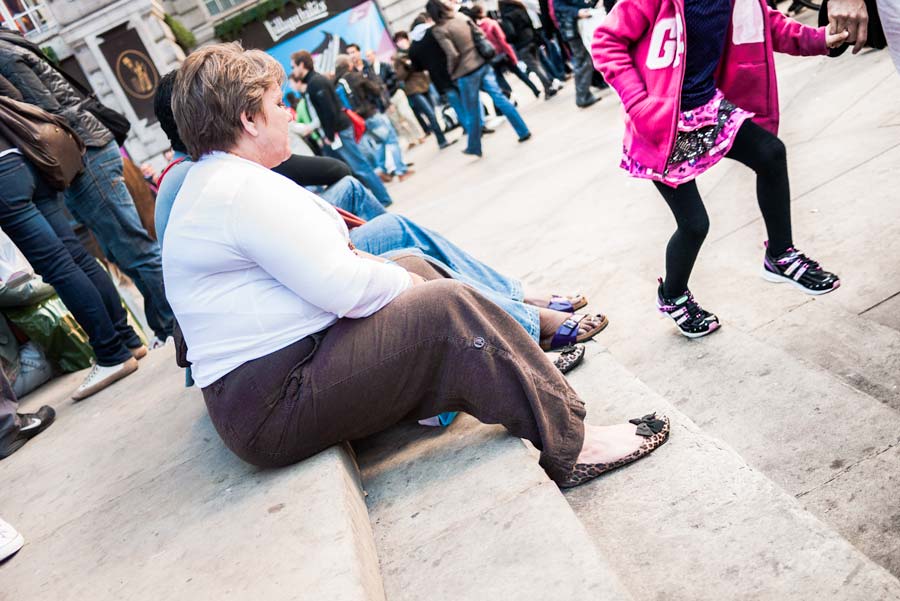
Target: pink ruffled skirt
x=705, y=135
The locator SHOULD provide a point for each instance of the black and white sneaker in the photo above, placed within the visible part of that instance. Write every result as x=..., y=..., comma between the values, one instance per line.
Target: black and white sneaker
x=692, y=320
x=30, y=425
x=795, y=268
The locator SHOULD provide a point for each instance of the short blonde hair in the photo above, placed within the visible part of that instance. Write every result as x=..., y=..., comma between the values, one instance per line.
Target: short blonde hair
x=215, y=85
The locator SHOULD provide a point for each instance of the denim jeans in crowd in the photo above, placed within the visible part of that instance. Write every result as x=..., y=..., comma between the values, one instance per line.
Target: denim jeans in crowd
x=469, y=86
x=391, y=235
x=455, y=101
x=99, y=199
x=350, y=153
x=349, y=194
x=421, y=105
x=32, y=215
x=490, y=86
x=584, y=71
x=379, y=127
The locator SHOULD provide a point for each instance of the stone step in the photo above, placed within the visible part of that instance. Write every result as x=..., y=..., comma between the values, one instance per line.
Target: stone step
x=465, y=513
x=857, y=350
x=695, y=507
x=131, y=495
x=831, y=445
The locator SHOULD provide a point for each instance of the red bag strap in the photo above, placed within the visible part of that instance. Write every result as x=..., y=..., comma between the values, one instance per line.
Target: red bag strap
x=166, y=170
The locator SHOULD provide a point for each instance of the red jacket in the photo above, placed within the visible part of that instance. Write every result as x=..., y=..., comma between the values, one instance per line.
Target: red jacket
x=640, y=48
x=494, y=33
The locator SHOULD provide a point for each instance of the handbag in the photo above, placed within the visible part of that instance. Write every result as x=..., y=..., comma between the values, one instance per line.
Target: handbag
x=114, y=121
x=484, y=47
x=44, y=139
x=359, y=124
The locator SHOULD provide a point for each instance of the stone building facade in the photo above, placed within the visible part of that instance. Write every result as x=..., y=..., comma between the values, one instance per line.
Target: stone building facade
x=119, y=48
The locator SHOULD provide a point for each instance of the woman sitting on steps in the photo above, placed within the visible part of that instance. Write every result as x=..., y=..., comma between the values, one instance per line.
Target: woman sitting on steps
x=299, y=341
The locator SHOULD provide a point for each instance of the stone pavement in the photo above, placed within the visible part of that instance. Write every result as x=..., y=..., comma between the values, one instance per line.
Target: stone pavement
x=779, y=482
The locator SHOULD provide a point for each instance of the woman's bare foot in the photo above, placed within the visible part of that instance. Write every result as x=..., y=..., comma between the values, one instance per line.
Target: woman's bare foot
x=551, y=321
x=606, y=444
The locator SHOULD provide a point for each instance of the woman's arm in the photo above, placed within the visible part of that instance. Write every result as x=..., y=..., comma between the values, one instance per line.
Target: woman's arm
x=448, y=47
x=294, y=239
x=621, y=29
x=791, y=37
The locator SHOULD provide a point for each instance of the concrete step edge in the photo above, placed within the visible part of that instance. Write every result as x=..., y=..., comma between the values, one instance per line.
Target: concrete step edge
x=466, y=513
x=695, y=507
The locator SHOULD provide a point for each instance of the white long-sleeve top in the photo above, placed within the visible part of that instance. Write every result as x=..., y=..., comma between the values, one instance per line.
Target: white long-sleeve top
x=253, y=262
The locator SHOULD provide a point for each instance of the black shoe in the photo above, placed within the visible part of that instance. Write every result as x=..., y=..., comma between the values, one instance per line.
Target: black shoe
x=486, y=130
x=525, y=138
x=795, y=268
x=548, y=94
x=472, y=154
x=594, y=100
x=32, y=424
x=691, y=319
x=448, y=143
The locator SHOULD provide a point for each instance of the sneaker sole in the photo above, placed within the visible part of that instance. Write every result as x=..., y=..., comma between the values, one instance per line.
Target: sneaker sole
x=780, y=279
x=12, y=547
x=129, y=368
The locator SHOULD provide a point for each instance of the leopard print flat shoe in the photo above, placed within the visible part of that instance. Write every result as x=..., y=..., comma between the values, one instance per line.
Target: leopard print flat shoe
x=654, y=429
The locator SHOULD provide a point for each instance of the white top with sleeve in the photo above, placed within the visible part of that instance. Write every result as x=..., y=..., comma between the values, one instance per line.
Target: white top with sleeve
x=253, y=262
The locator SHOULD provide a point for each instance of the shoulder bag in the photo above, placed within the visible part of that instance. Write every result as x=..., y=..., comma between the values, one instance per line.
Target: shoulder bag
x=484, y=47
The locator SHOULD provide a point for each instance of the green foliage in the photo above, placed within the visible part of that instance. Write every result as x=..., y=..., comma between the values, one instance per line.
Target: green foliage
x=183, y=35
x=230, y=29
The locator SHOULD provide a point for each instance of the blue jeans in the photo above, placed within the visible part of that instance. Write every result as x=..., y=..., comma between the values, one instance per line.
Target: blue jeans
x=388, y=234
x=469, y=86
x=492, y=88
x=32, y=215
x=99, y=199
x=380, y=128
x=351, y=154
x=349, y=194
x=421, y=105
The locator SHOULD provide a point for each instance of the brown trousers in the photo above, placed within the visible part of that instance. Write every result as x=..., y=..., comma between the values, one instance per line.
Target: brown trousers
x=437, y=347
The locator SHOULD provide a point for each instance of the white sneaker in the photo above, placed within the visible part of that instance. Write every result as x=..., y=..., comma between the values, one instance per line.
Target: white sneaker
x=10, y=540
x=101, y=377
x=557, y=85
x=157, y=343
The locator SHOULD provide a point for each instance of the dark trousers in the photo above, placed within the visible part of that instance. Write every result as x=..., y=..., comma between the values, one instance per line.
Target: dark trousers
x=422, y=107
x=763, y=152
x=508, y=65
x=584, y=71
x=32, y=215
x=438, y=347
x=529, y=56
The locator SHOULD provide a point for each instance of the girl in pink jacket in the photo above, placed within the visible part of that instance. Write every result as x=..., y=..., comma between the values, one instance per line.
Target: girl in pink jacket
x=697, y=81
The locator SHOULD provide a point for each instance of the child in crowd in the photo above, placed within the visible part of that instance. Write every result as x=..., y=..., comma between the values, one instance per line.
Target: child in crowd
x=697, y=81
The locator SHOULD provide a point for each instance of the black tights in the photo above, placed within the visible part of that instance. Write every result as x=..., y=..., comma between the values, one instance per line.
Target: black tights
x=763, y=152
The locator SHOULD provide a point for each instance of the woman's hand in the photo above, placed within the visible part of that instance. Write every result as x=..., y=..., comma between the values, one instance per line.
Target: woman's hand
x=833, y=40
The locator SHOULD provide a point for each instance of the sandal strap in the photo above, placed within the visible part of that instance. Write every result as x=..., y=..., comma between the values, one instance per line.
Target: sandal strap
x=566, y=334
x=560, y=303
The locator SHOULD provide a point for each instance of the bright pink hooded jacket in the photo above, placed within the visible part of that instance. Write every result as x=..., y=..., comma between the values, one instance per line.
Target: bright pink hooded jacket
x=640, y=48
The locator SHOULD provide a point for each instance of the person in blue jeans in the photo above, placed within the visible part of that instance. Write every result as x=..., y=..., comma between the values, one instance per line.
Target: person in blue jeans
x=337, y=129
x=32, y=215
x=456, y=35
x=98, y=197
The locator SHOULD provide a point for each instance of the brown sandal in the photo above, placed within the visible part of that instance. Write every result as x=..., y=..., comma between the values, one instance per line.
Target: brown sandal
x=655, y=430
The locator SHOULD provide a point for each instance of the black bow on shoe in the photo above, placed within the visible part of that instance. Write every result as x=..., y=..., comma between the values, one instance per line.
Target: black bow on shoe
x=647, y=425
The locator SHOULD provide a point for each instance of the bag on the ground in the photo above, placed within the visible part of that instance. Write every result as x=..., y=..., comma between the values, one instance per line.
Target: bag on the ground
x=34, y=369
x=482, y=45
x=15, y=269
x=44, y=139
x=52, y=327
x=587, y=27
x=24, y=295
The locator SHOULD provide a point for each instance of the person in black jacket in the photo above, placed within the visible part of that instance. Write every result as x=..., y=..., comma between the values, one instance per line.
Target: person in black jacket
x=336, y=125
x=521, y=34
x=426, y=54
x=33, y=216
x=97, y=197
